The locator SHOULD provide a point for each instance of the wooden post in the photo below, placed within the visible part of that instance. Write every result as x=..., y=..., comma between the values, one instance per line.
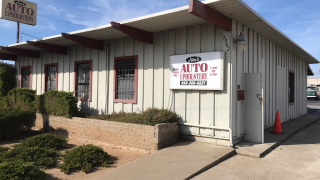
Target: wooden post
x=18, y=30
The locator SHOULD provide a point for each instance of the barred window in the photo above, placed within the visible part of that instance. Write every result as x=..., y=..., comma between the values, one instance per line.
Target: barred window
x=125, y=79
x=50, y=77
x=291, y=87
x=83, y=80
x=25, y=77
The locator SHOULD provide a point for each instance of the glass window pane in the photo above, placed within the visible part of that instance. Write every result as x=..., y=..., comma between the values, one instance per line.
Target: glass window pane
x=51, y=78
x=125, y=75
x=83, y=80
x=25, y=77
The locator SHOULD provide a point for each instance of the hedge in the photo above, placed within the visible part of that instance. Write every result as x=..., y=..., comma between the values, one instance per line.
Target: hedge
x=57, y=103
x=151, y=116
x=21, y=170
x=21, y=98
x=14, y=121
x=41, y=157
x=7, y=78
x=50, y=141
x=84, y=158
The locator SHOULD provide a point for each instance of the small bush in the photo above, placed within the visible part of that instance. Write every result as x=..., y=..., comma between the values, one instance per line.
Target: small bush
x=152, y=116
x=42, y=157
x=46, y=140
x=84, y=158
x=57, y=103
x=14, y=121
x=21, y=98
x=7, y=78
x=3, y=149
x=20, y=170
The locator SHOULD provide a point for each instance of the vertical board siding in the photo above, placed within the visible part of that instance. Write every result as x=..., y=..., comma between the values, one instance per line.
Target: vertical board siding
x=206, y=108
x=193, y=100
x=128, y=51
x=180, y=95
x=60, y=72
x=119, y=52
x=158, y=67
x=102, y=80
x=207, y=97
x=138, y=50
x=111, y=76
x=169, y=49
x=233, y=79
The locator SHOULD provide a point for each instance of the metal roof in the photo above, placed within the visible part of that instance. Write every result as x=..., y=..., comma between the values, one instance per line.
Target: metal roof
x=179, y=17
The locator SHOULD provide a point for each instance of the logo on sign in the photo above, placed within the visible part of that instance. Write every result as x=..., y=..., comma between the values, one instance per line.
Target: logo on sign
x=20, y=3
x=193, y=59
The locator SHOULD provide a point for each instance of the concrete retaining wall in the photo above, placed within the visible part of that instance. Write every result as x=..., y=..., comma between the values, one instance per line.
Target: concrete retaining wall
x=143, y=137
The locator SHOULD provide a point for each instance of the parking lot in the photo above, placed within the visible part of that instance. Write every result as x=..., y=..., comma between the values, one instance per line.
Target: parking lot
x=313, y=105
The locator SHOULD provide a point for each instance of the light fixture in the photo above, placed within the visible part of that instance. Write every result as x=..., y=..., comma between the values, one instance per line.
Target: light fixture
x=241, y=42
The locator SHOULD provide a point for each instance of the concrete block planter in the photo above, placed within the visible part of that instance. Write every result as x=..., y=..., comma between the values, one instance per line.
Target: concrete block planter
x=136, y=136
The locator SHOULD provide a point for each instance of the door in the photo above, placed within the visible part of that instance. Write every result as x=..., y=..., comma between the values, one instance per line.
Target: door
x=280, y=93
x=253, y=122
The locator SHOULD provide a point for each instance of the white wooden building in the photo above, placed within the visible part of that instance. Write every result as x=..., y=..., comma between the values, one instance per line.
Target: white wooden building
x=270, y=75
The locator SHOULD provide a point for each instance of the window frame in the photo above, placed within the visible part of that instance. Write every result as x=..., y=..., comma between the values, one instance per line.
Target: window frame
x=75, y=77
x=45, y=69
x=25, y=67
x=134, y=100
x=291, y=71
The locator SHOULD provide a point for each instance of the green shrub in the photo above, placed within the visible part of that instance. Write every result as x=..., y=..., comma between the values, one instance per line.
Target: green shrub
x=14, y=121
x=57, y=103
x=152, y=116
x=42, y=157
x=3, y=149
x=20, y=170
x=46, y=140
x=7, y=78
x=21, y=98
x=84, y=158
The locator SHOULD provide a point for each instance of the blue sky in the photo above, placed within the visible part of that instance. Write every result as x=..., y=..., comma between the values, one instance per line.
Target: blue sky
x=299, y=20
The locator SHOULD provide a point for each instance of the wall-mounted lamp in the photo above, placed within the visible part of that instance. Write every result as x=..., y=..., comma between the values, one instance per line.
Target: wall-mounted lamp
x=241, y=42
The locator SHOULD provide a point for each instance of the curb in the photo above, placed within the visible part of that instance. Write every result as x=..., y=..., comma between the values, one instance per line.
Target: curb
x=225, y=157
x=275, y=145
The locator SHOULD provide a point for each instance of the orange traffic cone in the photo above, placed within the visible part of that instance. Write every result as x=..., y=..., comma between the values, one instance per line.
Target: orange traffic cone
x=277, y=124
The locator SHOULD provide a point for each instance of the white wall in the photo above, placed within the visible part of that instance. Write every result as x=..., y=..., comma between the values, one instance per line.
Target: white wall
x=207, y=108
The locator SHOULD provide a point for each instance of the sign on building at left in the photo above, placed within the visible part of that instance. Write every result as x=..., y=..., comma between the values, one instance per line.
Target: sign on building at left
x=19, y=11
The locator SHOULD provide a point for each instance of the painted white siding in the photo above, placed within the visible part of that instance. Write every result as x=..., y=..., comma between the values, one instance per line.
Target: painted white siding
x=206, y=108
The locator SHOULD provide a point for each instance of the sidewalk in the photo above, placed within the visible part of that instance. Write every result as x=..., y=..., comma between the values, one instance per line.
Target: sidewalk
x=271, y=140
x=180, y=161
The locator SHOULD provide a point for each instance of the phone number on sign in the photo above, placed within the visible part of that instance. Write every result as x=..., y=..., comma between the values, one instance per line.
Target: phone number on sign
x=194, y=83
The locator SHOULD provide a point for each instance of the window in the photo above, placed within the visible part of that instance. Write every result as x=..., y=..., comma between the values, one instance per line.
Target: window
x=125, y=79
x=25, y=77
x=291, y=87
x=82, y=79
x=50, y=76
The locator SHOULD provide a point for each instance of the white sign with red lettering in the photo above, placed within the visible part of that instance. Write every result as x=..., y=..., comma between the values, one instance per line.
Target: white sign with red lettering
x=202, y=71
x=19, y=11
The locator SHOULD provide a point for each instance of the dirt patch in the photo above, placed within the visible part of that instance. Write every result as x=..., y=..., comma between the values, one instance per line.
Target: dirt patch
x=119, y=154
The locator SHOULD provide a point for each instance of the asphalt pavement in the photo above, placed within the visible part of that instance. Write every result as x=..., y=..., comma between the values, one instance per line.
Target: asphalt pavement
x=296, y=158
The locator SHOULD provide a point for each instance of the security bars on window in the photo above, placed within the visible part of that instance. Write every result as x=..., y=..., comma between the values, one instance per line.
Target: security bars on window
x=25, y=78
x=82, y=80
x=125, y=76
x=51, y=78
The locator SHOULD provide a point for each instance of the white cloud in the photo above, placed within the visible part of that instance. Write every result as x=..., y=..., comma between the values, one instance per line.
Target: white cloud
x=89, y=8
x=70, y=16
x=52, y=27
x=49, y=9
